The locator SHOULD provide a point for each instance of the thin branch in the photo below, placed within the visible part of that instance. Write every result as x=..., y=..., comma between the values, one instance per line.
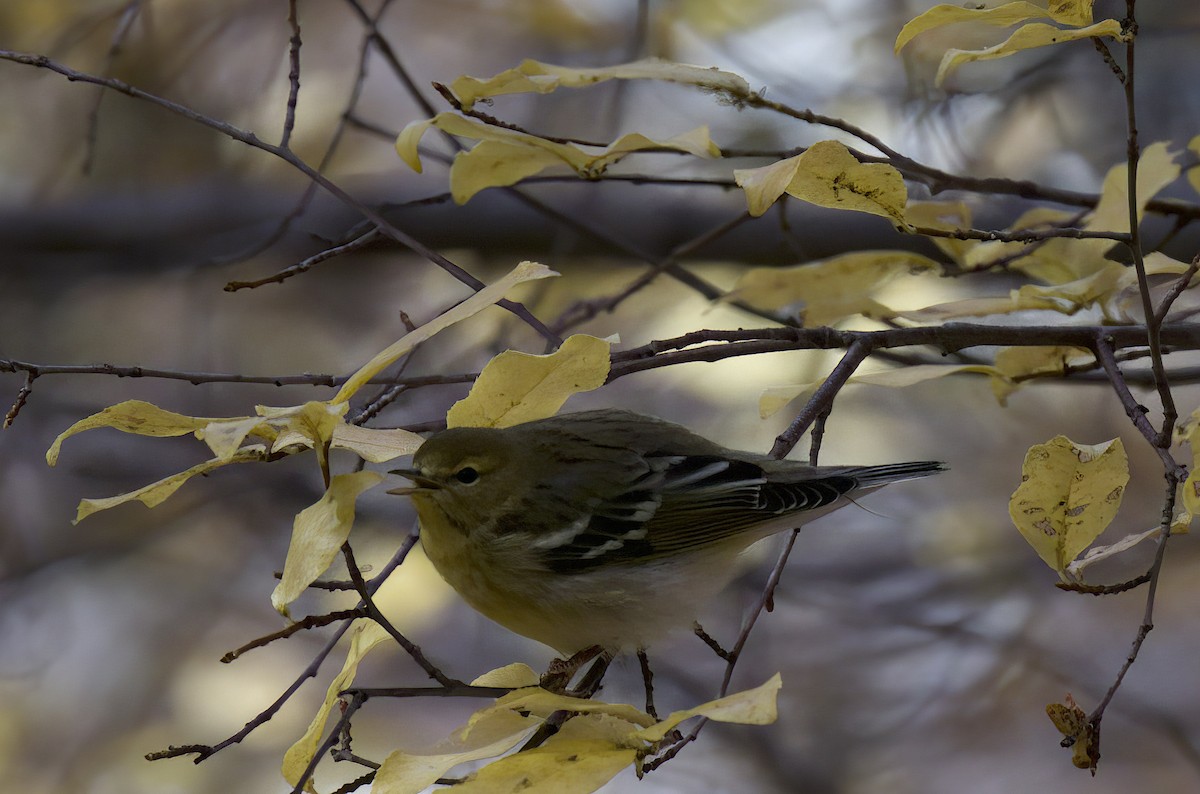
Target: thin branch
x=204, y=751
x=310, y=622
x=129, y=15
x=1103, y=349
x=294, y=43
x=373, y=612
x=197, y=378
x=304, y=265
x=821, y=401
x=734, y=653
x=310, y=191
x=1177, y=288
x=250, y=139
x=22, y=395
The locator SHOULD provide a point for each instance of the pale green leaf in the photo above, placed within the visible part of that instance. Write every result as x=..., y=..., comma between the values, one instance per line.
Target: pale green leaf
x=750, y=707
x=776, y=398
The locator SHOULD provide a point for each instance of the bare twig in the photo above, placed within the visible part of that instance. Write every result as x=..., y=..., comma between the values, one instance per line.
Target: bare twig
x=373, y=612
x=250, y=139
x=22, y=395
x=821, y=401
x=294, y=44
x=204, y=751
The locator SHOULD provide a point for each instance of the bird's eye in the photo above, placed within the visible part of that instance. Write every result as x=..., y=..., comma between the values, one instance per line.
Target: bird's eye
x=466, y=475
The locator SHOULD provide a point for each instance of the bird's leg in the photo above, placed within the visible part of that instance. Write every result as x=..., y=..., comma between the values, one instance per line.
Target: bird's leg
x=590, y=683
x=560, y=672
x=557, y=677
x=648, y=680
x=710, y=642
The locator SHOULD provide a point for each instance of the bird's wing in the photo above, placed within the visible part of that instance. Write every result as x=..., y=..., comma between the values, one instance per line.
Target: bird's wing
x=684, y=502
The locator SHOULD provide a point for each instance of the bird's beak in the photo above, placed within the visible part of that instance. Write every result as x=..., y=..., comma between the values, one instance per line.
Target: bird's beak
x=421, y=482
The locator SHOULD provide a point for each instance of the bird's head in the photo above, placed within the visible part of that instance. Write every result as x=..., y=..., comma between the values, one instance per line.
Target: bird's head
x=467, y=473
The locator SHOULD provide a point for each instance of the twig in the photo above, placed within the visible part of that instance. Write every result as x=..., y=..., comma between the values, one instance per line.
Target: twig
x=373, y=612
x=250, y=139
x=289, y=120
x=1103, y=349
x=204, y=751
x=197, y=378
x=310, y=622
x=734, y=653
x=22, y=396
x=129, y=15
x=304, y=265
x=822, y=398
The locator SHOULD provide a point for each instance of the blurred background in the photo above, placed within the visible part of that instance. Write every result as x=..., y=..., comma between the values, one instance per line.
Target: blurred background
x=919, y=638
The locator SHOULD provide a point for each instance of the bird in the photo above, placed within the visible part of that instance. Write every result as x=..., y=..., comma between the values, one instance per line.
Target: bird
x=608, y=529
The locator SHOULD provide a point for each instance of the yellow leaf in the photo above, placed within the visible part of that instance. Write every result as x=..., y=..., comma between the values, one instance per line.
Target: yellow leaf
x=1068, y=494
x=947, y=216
x=542, y=703
x=505, y=156
x=776, y=397
x=1084, y=737
x=364, y=636
x=586, y=753
x=1026, y=37
x=1018, y=363
x=1193, y=173
x=515, y=676
x=526, y=271
x=543, y=78
x=827, y=175
x=225, y=436
x=941, y=15
x=131, y=416
x=405, y=772
x=376, y=446
x=1097, y=553
x=971, y=307
x=518, y=387
x=1156, y=169
x=750, y=707
x=829, y=290
x=318, y=532
x=157, y=492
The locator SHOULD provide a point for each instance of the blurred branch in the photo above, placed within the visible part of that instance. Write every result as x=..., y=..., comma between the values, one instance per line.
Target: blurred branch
x=250, y=139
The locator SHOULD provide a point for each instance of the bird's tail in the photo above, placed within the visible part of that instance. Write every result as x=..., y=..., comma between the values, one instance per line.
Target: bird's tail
x=877, y=476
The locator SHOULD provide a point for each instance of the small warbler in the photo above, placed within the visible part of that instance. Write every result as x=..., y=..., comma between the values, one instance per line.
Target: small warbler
x=608, y=528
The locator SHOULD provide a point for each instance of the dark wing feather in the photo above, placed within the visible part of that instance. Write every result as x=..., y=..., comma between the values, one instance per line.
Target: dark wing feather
x=683, y=502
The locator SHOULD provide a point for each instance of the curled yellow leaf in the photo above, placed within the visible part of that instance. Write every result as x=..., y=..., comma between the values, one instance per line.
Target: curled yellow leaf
x=132, y=416
x=543, y=78
x=1026, y=37
x=827, y=175
x=364, y=636
x=318, y=532
x=157, y=492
